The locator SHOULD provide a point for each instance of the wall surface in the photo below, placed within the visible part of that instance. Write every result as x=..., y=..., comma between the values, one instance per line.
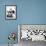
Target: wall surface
x=28, y=12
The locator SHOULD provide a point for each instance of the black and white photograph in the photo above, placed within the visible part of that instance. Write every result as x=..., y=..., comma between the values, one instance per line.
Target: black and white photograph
x=31, y=34
x=10, y=12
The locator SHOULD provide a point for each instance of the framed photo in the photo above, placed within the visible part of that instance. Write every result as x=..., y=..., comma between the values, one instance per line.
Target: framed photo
x=10, y=12
x=33, y=32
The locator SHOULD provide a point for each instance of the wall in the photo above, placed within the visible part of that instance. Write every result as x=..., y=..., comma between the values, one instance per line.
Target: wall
x=28, y=12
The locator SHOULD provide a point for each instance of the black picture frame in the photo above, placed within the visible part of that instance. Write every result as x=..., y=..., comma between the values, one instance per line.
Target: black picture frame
x=11, y=10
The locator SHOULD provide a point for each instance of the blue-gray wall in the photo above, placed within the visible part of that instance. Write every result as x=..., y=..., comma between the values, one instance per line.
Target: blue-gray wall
x=28, y=12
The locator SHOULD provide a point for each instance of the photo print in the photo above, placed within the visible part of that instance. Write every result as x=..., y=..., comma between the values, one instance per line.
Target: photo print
x=11, y=12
